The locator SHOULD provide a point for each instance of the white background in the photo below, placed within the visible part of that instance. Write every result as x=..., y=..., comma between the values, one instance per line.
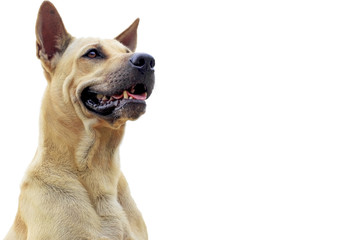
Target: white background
x=253, y=129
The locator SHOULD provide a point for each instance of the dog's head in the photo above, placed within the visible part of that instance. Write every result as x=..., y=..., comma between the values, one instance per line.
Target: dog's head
x=97, y=78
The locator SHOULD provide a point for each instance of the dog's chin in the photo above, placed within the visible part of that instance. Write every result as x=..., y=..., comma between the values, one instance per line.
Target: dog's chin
x=129, y=110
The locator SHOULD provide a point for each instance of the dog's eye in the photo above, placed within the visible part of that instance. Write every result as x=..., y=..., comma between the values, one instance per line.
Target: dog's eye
x=92, y=53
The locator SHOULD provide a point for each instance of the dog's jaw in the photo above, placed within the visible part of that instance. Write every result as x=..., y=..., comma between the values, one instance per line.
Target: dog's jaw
x=123, y=104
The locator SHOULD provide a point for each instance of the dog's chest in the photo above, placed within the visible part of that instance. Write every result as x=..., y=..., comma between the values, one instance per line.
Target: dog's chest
x=113, y=219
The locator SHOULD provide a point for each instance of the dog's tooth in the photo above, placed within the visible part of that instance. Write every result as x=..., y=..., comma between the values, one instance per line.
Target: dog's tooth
x=99, y=96
x=130, y=97
x=105, y=98
x=126, y=96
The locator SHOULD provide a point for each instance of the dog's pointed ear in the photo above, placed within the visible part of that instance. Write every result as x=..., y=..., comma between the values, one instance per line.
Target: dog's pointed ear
x=51, y=35
x=129, y=36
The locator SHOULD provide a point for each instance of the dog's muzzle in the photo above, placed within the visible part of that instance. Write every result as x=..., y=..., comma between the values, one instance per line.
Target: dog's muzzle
x=123, y=93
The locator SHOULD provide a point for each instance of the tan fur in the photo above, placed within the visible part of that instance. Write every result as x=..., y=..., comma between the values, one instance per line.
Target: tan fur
x=74, y=188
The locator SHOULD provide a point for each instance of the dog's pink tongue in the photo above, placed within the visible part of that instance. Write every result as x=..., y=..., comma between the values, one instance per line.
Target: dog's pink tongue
x=138, y=97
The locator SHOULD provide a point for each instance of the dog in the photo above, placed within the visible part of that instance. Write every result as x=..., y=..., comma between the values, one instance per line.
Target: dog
x=74, y=188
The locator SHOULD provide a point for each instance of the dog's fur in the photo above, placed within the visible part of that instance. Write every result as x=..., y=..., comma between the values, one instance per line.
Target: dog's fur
x=74, y=189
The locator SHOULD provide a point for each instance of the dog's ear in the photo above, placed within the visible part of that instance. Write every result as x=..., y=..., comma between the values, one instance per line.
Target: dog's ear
x=129, y=36
x=51, y=35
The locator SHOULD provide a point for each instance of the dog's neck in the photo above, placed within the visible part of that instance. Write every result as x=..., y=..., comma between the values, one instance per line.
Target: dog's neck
x=81, y=145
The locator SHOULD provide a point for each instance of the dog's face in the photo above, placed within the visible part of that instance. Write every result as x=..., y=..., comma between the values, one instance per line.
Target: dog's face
x=100, y=78
x=111, y=81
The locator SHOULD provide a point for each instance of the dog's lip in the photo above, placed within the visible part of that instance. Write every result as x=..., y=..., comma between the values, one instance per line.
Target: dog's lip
x=105, y=103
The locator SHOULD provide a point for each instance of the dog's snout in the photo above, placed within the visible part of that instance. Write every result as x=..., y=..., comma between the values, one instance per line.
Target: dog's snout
x=142, y=61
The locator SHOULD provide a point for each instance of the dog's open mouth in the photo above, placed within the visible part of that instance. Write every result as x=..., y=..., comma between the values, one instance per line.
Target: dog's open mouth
x=105, y=104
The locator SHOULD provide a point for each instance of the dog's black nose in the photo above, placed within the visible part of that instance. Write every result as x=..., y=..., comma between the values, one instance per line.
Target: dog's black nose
x=142, y=61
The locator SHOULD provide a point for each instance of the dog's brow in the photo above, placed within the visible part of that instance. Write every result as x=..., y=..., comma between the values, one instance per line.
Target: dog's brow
x=92, y=45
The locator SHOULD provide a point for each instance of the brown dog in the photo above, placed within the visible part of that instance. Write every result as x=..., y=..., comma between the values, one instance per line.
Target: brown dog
x=74, y=188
